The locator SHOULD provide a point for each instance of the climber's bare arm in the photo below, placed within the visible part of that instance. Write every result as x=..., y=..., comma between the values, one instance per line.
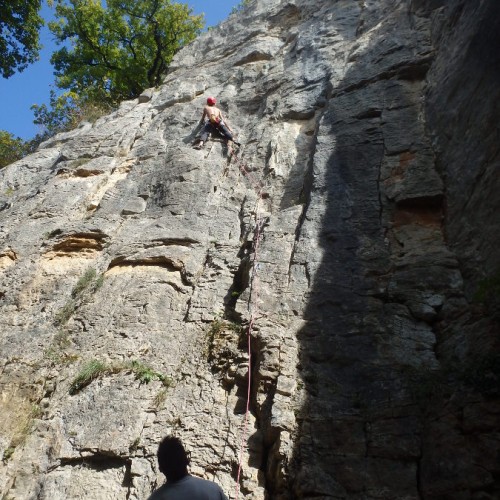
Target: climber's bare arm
x=202, y=117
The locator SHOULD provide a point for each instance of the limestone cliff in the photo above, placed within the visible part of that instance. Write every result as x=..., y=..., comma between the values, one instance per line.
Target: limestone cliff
x=358, y=231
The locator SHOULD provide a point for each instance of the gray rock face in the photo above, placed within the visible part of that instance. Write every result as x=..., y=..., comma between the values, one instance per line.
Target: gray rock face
x=351, y=233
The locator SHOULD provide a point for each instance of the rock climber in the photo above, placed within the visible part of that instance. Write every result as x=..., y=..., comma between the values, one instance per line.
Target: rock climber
x=173, y=462
x=215, y=123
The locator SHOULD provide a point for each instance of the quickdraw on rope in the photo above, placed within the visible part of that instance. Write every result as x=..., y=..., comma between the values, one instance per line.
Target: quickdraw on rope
x=253, y=306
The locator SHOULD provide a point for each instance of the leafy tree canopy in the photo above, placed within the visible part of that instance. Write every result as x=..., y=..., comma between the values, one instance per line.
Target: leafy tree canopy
x=64, y=113
x=11, y=148
x=20, y=23
x=113, y=52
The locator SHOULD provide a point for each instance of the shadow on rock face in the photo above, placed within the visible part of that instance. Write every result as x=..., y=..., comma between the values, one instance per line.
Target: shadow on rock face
x=384, y=289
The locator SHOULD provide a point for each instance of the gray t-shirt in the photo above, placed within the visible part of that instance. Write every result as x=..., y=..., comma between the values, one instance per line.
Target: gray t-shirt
x=189, y=488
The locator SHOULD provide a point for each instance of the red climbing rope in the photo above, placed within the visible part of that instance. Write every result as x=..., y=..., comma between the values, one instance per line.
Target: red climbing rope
x=247, y=411
x=243, y=168
x=253, y=305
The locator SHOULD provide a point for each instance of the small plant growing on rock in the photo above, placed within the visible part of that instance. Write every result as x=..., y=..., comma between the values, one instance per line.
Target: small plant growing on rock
x=7, y=454
x=63, y=315
x=145, y=374
x=87, y=285
x=95, y=369
x=160, y=397
x=56, y=354
x=223, y=337
x=88, y=282
x=218, y=331
x=84, y=282
x=91, y=371
x=219, y=325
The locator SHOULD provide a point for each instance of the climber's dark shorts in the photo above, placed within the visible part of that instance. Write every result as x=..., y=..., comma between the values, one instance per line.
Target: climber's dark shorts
x=220, y=129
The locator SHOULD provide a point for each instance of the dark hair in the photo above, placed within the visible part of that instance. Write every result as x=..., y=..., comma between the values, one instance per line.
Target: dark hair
x=172, y=458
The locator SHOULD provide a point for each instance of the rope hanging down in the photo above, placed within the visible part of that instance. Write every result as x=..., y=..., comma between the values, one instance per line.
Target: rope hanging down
x=253, y=307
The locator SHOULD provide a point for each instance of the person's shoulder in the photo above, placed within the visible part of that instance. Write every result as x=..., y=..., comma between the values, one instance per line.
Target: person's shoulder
x=158, y=494
x=199, y=480
x=207, y=485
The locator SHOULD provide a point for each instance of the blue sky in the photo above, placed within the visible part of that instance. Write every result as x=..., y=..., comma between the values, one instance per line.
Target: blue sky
x=32, y=86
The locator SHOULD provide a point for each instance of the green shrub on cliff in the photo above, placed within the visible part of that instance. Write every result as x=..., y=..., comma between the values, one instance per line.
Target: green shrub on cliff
x=11, y=148
x=95, y=369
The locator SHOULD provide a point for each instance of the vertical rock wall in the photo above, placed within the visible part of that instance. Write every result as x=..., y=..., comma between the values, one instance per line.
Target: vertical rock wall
x=400, y=366
x=355, y=229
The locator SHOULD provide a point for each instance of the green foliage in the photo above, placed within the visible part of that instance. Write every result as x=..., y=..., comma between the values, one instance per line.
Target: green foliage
x=219, y=325
x=11, y=148
x=99, y=282
x=87, y=285
x=114, y=51
x=7, y=454
x=145, y=374
x=216, y=327
x=57, y=118
x=222, y=340
x=56, y=353
x=95, y=369
x=65, y=112
x=63, y=315
x=84, y=282
x=20, y=23
x=160, y=397
x=91, y=371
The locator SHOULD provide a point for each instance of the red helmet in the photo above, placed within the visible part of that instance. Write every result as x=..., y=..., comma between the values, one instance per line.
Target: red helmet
x=211, y=101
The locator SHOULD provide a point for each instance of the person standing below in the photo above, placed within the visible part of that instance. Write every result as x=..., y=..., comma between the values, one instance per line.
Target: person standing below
x=215, y=123
x=173, y=462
